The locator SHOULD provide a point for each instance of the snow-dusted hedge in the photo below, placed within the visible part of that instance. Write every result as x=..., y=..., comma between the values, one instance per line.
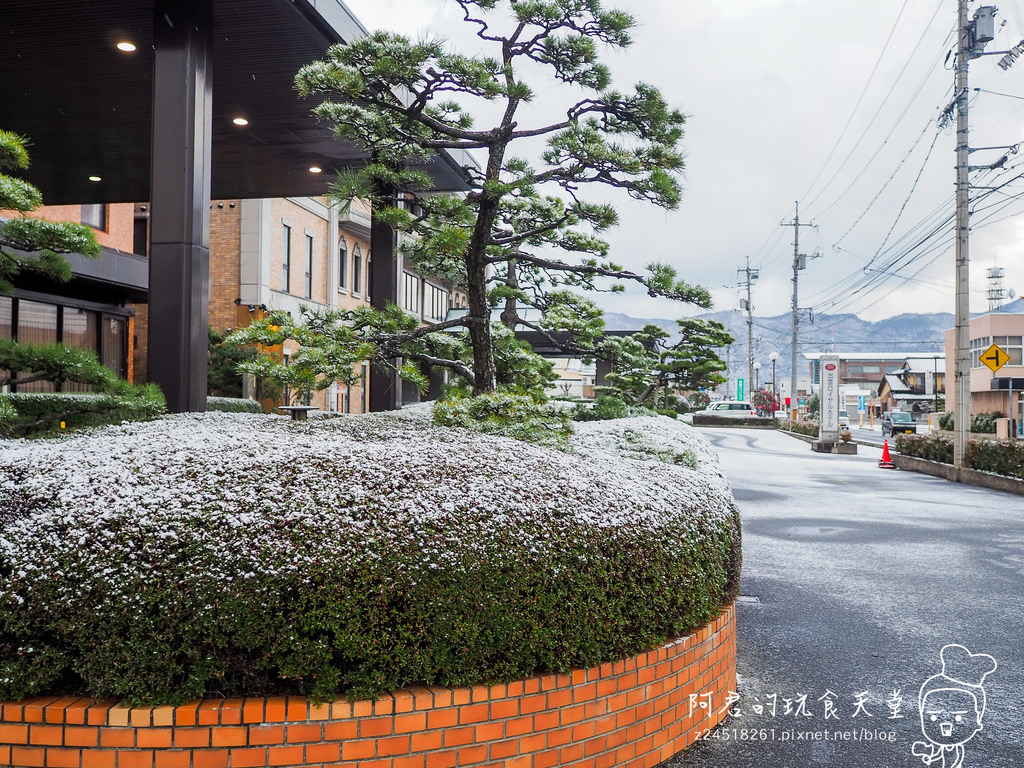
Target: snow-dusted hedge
x=232, y=405
x=232, y=554
x=31, y=413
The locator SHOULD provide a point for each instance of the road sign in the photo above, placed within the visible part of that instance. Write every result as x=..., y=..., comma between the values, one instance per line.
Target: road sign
x=740, y=392
x=995, y=358
x=860, y=404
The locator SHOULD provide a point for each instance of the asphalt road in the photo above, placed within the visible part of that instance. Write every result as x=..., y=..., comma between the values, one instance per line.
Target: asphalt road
x=854, y=579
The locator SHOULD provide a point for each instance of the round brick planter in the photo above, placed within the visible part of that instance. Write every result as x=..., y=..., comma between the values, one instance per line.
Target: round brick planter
x=637, y=712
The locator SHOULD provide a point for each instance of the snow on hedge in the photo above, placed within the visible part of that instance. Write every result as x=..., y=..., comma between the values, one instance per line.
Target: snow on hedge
x=258, y=471
x=245, y=502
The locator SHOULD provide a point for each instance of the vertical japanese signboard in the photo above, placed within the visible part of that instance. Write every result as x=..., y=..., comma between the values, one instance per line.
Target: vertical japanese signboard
x=829, y=398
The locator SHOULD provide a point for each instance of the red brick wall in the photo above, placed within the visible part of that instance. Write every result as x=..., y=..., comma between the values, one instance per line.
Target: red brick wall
x=637, y=712
x=120, y=231
x=225, y=250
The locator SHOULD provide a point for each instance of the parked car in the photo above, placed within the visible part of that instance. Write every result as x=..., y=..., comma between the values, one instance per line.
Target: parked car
x=844, y=420
x=731, y=409
x=897, y=421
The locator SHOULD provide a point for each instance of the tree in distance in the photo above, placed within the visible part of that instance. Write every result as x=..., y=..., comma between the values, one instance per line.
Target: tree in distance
x=646, y=362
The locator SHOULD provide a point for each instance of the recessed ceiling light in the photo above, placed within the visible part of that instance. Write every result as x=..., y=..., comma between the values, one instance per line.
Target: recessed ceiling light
x=315, y=169
x=95, y=178
x=125, y=46
x=240, y=121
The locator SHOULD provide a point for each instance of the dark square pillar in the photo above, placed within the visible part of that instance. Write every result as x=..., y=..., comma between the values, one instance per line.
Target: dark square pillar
x=179, y=281
x=385, y=385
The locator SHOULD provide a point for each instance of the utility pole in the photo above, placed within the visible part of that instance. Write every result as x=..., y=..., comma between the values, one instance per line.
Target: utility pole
x=749, y=276
x=973, y=36
x=799, y=262
x=962, y=319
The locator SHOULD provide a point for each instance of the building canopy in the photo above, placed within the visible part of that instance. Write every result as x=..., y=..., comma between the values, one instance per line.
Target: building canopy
x=176, y=102
x=87, y=107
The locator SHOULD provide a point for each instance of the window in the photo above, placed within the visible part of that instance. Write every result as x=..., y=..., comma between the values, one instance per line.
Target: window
x=342, y=264
x=286, y=260
x=357, y=270
x=309, y=268
x=435, y=302
x=80, y=330
x=364, y=383
x=978, y=346
x=95, y=216
x=37, y=324
x=411, y=293
x=6, y=317
x=115, y=331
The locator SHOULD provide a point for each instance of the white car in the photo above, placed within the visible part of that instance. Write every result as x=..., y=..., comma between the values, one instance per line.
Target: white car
x=731, y=409
x=844, y=420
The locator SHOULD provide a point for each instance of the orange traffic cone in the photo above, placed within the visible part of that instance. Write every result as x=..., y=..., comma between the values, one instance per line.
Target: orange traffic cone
x=886, y=462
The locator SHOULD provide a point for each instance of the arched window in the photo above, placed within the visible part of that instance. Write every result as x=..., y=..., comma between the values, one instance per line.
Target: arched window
x=357, y=270
x=342, y=264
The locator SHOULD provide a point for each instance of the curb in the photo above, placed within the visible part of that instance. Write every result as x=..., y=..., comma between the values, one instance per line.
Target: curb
x=964, y=476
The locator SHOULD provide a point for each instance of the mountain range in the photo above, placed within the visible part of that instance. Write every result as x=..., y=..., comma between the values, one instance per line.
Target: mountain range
x=905, y=333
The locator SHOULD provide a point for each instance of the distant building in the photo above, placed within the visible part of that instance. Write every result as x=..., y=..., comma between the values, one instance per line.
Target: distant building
x=918, y=386
x=988, y=390
x=575, y=378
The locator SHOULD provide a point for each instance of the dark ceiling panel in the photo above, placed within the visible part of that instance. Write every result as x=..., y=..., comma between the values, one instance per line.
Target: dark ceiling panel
x=86, y=107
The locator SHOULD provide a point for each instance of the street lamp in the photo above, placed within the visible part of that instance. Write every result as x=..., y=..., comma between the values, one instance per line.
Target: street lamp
x=757, y=371
x=775, y=390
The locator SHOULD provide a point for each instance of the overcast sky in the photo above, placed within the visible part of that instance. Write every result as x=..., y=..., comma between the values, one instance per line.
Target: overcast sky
x=832, y=103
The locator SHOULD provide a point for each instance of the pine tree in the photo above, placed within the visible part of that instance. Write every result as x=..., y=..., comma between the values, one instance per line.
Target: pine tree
x=31, y=244
x=523, y=234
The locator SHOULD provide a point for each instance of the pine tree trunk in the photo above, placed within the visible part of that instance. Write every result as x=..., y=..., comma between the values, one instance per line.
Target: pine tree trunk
x=476, y=270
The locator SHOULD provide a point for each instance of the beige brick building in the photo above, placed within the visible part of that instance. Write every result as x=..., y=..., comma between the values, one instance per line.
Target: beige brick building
x=265, y=254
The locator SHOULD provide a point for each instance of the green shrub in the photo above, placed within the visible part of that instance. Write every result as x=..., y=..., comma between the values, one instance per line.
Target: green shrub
x=946, y=421
x=237, y=555
x=605, y=407
x=930, y=447
x=232, y=405
x=27, y=414
x=1003, y=457
x=800, y=426
x=711, y=420
x=509, y=415
x=984, y=423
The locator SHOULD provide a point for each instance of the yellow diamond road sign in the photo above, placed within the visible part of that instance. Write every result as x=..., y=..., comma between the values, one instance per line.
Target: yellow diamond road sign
x=995, y=358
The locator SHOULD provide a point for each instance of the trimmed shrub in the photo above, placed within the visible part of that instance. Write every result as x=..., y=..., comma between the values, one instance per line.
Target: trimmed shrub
x=931, y=447
x=232, y=405
x=242, y=555
x=984, y=423
x=801, y=427
x=26, y=414
x=605, y=407
x=509, y=415
x=710, y=420
x=1002, y=457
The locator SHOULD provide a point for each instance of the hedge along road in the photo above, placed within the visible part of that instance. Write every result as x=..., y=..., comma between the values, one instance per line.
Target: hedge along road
x=861, y=576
